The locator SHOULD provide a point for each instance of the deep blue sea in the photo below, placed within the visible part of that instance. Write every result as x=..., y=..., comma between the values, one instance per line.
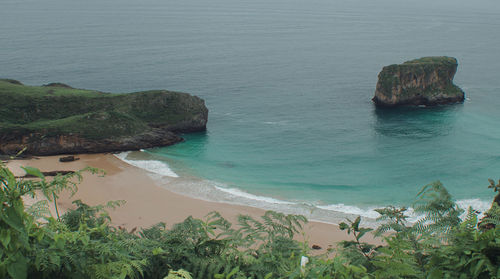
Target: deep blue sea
x=289, y=85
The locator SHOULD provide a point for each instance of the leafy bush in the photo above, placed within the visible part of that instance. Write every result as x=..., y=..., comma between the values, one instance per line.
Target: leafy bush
x=83, y=244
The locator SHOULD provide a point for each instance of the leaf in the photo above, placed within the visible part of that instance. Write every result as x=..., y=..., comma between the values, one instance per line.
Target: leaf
x=157, y=251
x=13, y=219
x=357, y=269
x=355, y=224
x=18, y=269
x=5, y=238
x=123, y=274
x=477, y=268
x=40, y=209
x=59, y=241
x=33, y=171
x=362, y=232
x=343, y=226
x=233, y=272
x=20, y=152
x=179, y=274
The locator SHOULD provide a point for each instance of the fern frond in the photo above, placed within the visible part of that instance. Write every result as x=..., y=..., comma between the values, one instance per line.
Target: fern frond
x=491, y=217
x=179, y=274
x=441, y=213
x=470, y=221
x=39, y=209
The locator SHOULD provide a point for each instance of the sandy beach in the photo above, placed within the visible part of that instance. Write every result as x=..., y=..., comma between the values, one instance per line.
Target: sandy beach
x=147, y=203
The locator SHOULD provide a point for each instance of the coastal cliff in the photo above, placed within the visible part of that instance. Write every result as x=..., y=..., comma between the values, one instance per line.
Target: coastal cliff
x=58, y=119
x=425, y=81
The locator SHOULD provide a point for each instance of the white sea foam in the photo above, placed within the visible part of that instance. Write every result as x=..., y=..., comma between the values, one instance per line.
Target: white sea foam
x=476, y=204
x=333, y=213
x=283, y=122
x=350, y=209
x=148, y=165
x=239, y=193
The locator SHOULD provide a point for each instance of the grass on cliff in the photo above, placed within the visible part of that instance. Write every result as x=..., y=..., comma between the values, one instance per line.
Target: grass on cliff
x=93, y=125
x=432, y=60
x=450, y=91
x=60, y=109
x=14, y=87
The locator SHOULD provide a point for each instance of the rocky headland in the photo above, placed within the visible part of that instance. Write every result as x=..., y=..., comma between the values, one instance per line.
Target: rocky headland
x=426, y=81
x=58, y=119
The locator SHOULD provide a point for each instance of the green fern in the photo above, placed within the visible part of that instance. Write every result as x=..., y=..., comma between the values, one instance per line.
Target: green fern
x=39, y=209
x=273, y=225
x=83, y=244
x=491, y=217
x=394, y=219
x=470, y=222
x=442, y=214
x=179, y=274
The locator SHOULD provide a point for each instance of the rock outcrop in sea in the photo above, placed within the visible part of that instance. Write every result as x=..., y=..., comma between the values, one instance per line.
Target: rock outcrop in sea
x=58, y=119
x=426, y=81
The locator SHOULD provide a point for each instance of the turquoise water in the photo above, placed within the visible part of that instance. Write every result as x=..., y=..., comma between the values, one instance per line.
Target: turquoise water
x=366, y=161
x=288, y=84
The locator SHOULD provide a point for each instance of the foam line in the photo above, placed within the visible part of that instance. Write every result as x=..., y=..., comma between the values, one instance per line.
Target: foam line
x=350, y=209
x=237, y=196
x=153, y=166
x=239, y=193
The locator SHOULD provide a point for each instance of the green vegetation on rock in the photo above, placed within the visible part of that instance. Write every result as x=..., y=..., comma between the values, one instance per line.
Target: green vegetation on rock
x=433, y=60
x=30, y=113
x=424, y=81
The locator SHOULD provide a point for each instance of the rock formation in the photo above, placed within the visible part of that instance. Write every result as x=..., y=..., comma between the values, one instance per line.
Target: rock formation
x=425, y=81
x=69, y=158
x=55, y=119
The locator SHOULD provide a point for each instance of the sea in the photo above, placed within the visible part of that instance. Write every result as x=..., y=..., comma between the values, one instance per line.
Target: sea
x=289, y=85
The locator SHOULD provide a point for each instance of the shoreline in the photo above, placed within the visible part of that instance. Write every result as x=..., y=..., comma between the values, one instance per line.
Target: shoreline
x=208, y=190
x=148, y=203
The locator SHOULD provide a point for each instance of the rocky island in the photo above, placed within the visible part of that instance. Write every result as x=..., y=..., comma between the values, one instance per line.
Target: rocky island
x=426, y=81
x=58, y=119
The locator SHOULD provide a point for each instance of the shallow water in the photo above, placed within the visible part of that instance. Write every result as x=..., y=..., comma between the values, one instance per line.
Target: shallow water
x=288, y=84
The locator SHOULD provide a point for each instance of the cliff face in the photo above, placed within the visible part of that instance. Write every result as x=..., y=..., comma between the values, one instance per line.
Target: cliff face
x=39, y=144
x=57, y=119
x=424, y=81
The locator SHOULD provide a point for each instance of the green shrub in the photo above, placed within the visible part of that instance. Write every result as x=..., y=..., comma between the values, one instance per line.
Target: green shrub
x=83, y=244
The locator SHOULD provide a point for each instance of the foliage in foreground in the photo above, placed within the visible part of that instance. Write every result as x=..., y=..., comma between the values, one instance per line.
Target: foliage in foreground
x=83, y=244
